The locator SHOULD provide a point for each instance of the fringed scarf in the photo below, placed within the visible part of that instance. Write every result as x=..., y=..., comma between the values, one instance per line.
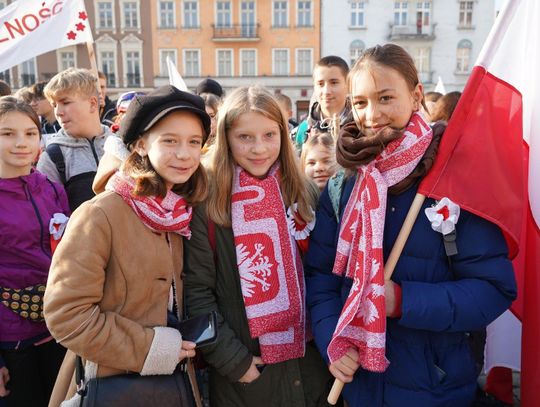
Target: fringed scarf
x=359, y=256
x=270, y=266
x=168, y=214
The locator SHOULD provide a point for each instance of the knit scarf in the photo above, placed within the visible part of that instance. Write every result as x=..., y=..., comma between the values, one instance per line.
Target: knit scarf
x=362, y=323
x=270, y=267
x=168, y=214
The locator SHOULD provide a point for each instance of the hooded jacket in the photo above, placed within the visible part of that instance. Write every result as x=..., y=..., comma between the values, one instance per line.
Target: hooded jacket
x=26, y=206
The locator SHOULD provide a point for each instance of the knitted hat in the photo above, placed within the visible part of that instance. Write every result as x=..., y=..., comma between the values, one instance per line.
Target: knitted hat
x=146, y=110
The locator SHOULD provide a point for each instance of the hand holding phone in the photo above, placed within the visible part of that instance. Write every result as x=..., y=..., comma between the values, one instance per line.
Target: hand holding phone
x=201, y=330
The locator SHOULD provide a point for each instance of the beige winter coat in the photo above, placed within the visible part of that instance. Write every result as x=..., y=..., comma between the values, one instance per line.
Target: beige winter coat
x=108, y=290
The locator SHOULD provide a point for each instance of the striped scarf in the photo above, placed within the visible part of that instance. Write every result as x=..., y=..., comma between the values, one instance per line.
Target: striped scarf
x=362, y=323
x=168, y=214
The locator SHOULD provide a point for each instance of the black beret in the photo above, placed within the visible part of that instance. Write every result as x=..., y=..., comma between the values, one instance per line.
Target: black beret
x=145, y=110
x=209, y=86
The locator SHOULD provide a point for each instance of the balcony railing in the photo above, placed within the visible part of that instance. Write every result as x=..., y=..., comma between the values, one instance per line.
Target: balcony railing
x=236, y=32
x=412, y=32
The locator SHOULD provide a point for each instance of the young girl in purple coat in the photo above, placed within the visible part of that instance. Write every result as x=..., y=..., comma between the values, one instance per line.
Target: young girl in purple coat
x=29, y=357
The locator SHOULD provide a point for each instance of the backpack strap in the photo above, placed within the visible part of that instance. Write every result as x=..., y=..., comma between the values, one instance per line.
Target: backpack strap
x=55, y=153
x=335, y=189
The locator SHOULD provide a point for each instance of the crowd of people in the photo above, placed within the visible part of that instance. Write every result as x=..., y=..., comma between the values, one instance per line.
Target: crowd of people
x=119, y=220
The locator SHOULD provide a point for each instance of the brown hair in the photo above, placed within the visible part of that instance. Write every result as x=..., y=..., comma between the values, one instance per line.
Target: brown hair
x=295, y=188
x=5, y=89
x=392, y=56
x=318, y=139
x=333, y=60
x=432, y=96
x=72, y=80
x=444, y=107
x=9, y=104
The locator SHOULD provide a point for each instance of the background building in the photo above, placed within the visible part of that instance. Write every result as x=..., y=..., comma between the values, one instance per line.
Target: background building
x=443, y=36
x=239, y=42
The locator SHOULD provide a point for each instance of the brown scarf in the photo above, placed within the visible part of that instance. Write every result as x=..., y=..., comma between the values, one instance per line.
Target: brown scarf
x=355, y=148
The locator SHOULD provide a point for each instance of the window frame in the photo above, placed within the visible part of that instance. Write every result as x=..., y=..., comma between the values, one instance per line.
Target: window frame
x=274, y=59
x=286, y=12
x=184, y=62
x=196, y=12
x=298, y=12
x=159, y=14
x=241, y=61
x=231, y=53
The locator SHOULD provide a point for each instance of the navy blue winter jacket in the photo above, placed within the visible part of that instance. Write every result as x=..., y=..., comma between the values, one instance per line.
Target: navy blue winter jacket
x=430, y=360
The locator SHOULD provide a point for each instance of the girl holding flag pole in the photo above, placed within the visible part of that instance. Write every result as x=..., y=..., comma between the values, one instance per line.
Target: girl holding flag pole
x=399, y=340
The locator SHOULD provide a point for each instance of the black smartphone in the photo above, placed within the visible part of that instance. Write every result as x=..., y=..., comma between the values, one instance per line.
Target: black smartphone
x=202, y=330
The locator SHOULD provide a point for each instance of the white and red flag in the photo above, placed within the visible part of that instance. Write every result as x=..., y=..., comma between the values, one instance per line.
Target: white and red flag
x=33, y=27
x=489, y=161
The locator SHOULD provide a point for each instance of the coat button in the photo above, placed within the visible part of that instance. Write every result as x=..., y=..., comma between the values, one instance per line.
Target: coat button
x=297, y=382
x=393, y=209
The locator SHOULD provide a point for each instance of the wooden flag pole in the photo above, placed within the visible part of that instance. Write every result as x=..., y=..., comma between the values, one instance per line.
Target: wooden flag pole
x=389, y=267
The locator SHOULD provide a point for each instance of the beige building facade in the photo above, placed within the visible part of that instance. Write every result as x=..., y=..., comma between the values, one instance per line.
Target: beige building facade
x=239, y=43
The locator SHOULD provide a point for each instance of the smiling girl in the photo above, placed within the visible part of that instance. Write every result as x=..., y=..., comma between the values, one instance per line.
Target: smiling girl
x=118, y=269
x=318, y=158
x=28, y=202
x=400, y=342
x=244, y=261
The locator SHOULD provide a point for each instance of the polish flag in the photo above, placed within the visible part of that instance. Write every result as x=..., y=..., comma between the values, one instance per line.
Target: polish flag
x=489, y=161
x=31, y=28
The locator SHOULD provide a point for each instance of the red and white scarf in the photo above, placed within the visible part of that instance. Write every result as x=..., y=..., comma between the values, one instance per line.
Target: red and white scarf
x=168, y=214
x=270, y=266
x=362, y=323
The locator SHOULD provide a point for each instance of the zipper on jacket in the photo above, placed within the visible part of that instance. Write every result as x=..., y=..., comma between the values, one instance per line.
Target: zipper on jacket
x=41, y=228
x=94, y=150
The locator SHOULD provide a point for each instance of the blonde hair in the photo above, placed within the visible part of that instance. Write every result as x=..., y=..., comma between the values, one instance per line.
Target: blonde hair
x=295, y=187
x=318, y=139
x=73, y=80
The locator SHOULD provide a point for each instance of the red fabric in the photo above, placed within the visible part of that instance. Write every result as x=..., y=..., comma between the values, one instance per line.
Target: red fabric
x=499, y=384
x=359, y=254
x=396, y=312
x=168, y=214
x=270, y=266
x=482, y=165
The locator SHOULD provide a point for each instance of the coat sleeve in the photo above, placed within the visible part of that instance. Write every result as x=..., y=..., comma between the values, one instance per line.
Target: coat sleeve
x=323, y=288
x=483, y=284
x=228, y=355
x=46, y=166
x=71, y=304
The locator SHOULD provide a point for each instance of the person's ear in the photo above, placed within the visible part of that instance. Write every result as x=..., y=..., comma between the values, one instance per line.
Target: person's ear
x=94, y=103
x=140, y=147
x=418, y=96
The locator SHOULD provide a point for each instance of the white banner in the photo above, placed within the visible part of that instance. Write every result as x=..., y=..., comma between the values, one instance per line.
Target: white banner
x=29, y=28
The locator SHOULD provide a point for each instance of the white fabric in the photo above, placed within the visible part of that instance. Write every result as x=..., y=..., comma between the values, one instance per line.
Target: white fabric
x=503, y=343
x=46, y=25
x=164, y=352
x=175, y=79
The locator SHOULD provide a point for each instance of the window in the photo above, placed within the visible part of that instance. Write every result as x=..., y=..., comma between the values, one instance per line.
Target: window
x=247, y=18
x=463, y=56
x=355, y=50
x=67, y=60
x=2, y=5
x=130, y=13
x=166, y=14
x=421, y=60
x=105, y=15
x=163, y=54
x=423, y=10
x=280, y=13
x=6, y=76
x=192, y=65
x=280, y=61
x=224, y=62
x=400, y=13
x=191, y=14
x=27, y=72
x=357, y=13
x=133, y=69
x=108, y=67
x=465, y=13
x=304, y=61
x=223, y=16
x=304, y=13
x=248, y=62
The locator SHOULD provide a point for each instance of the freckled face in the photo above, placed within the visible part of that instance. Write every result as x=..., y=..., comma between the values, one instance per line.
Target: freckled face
x=255, y=143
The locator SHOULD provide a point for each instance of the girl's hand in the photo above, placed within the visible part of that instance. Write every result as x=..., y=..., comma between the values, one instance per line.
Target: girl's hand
x=344, y=369
x=4, y=379
x=187, y=350
x=252, y=373
x=389, y=296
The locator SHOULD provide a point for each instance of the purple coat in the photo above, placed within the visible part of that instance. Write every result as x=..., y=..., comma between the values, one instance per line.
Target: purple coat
x=26, y=205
